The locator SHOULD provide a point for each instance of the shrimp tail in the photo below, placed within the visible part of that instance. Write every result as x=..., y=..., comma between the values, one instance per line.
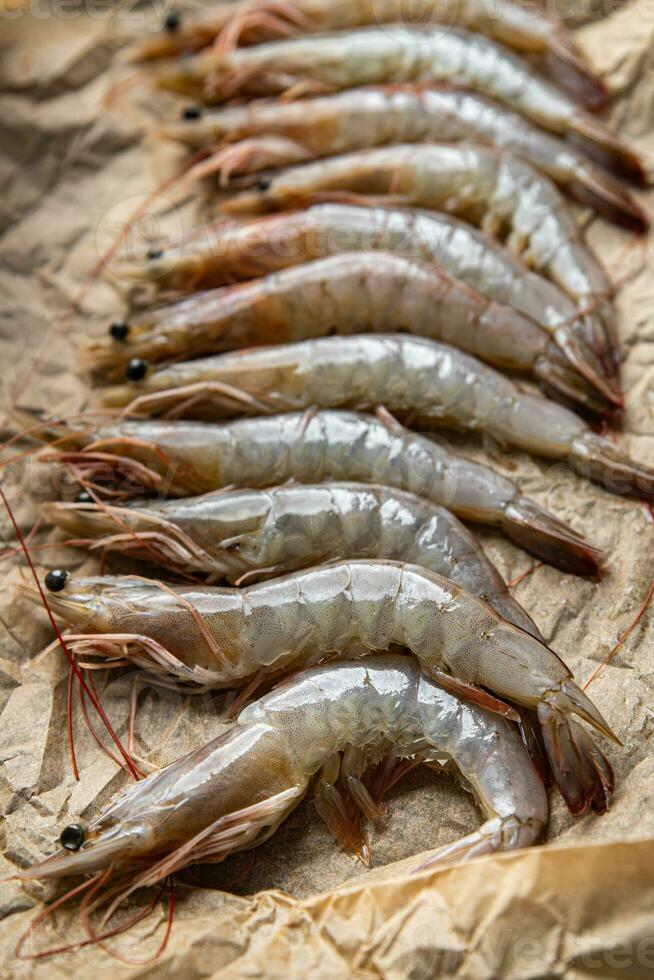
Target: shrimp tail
x=532, y=739
x=582, y=345
x=497, y=834
x=560, y=377
x=594, y=336
x=609, y=197
x=566, y=65
x=607, y=149
x=597, y=459
x=572, y=698
x=554, y=542
x=582, y=772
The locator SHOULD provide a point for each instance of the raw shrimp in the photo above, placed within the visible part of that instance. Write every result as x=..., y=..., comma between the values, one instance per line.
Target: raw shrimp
x=398, y=54
x=491, y=188
x=225, y=252
x=525, y=29
x=421, y=382
x=183, y=459
x=259, y=533
x=344, y=294
x=272, y=134
x=226, y=637
x=235, y=791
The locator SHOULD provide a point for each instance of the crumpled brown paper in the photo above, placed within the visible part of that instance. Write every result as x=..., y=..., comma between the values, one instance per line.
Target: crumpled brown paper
x=73, y=168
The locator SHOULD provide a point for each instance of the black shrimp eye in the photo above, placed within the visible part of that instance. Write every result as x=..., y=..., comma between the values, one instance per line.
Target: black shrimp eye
x=264, y=183
x=83, y=497
x=55, y=580
x=119, y=330
x=154, y=253
x=172, y=22
x=72, y=837
x=136, y=369
x=191, y=112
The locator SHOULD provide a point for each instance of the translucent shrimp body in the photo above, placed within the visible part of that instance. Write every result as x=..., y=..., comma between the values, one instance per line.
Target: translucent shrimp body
x=345, y=294
x=234, y=792
x=266, y=134
x=229, y=251
x=524, y=29
x=491, y=188
x=227, y=637
x=397, y=54
x=260, y=533
x=422, y=382
x=187, y=458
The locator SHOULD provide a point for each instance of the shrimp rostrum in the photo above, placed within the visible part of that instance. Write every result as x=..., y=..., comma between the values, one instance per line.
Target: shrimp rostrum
x=522, y=28
x=421, y=382
x=222, y=637
x=234, y=792
x=248, y=534
x=250, y=138
x=182, y=459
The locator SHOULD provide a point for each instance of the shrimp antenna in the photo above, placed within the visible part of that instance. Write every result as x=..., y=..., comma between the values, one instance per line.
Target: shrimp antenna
x=64, y=321
x=621, y=639
x=131, y=534
x=64, y=646
x=86, y=908
x=523, y=575
x=45, y=913
x=43, y=431
x=90, y=889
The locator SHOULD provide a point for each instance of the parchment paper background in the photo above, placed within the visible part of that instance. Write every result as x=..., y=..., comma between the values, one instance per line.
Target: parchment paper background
x=71, y=169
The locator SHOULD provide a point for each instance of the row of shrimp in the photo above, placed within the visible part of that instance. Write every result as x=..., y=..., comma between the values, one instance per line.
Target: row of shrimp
x=392, y=255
